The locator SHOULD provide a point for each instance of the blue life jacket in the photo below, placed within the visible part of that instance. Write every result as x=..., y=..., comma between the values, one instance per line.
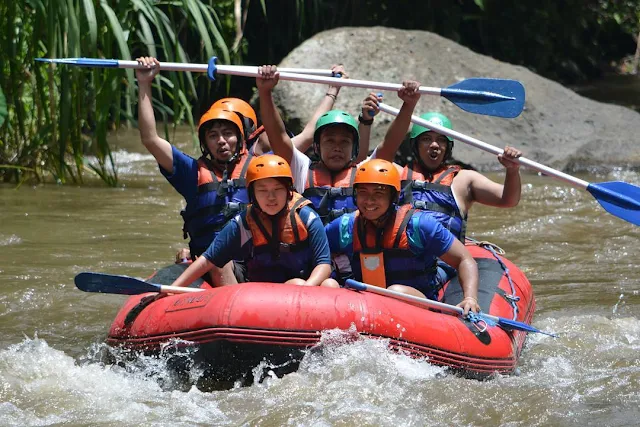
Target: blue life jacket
x=219, y=199
x=432, y=193
x=331, y=193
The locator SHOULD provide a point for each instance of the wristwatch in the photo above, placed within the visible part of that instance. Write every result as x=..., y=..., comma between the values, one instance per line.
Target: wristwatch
x=364, y=121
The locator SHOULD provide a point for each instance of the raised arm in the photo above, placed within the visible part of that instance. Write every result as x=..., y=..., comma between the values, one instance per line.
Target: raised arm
x=281, y=143
x=398, y=128
x=487, y=192
x=304, y=139
x=158, y=147
x=369, y=110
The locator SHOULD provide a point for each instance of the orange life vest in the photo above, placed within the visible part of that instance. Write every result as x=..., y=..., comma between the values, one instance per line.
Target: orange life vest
x=290, y=230
x=281, y=249
x=331, y=193
x=384, y=253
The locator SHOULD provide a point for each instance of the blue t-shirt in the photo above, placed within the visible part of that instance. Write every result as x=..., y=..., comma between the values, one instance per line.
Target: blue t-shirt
x=185, y=174
x=427, y=238
x=235, y=241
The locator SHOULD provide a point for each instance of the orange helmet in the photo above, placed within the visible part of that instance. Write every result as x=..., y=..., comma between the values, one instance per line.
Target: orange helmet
x=217, y=113
x=378, y=171
x=242, y=108
x=268, y=166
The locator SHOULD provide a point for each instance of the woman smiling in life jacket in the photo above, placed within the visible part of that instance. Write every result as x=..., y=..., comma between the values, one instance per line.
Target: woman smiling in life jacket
x=397, y=247
x=213, y=186
x=279, y=236
x=326, y=183
x=430, y=183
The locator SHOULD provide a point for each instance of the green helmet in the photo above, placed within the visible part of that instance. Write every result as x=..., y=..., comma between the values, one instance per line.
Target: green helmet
x=435, y=118
x=337, y=117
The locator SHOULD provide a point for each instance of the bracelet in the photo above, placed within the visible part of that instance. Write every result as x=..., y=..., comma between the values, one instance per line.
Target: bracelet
x=335, y=97
x=364, y=121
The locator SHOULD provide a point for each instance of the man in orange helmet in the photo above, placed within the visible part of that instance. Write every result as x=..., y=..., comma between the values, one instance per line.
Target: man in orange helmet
x=213, y=185
x=397, y=247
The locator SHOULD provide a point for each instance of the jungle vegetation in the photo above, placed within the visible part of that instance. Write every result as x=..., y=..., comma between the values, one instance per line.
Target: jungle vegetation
x=53, y=117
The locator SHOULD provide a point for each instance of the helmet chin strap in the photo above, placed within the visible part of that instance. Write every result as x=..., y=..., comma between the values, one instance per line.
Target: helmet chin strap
x=226, y=163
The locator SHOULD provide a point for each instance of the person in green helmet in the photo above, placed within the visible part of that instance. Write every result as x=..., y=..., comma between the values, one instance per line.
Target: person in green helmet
x=431, y=182
x=328, y=182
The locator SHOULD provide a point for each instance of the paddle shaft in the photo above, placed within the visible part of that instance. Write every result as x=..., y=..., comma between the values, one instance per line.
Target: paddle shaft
x=225, y=69
x=297, y=77
x=489, y=148
x=178, y=289
x=174, y=66
x=427, y=303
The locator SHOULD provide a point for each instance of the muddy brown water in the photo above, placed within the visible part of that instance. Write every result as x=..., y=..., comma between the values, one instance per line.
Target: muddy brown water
x=582, y=262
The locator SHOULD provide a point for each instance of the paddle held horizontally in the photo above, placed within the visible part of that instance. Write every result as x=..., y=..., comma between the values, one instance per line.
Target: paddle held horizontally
x=486, y=96
x=123, y=285
x=173, y=66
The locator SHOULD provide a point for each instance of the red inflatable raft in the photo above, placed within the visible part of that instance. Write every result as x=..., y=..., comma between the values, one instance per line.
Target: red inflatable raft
x=232, y=329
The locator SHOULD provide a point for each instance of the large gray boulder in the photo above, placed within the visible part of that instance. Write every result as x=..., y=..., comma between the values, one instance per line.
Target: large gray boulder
x=558, y=128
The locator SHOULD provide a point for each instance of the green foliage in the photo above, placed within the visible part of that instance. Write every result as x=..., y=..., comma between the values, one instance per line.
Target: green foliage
x=566, y=41
x=3, y=108
x=59, y=115
x=54, y=117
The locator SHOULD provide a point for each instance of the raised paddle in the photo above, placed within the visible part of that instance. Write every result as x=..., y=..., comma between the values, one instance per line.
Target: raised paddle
x=123, y=285
x=616, y=197
x=490, y=97
x=489, y=319
x=173, y=66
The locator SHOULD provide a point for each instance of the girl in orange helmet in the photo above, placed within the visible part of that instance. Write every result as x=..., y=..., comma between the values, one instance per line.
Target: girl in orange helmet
x=397, y=247
x=279, y=236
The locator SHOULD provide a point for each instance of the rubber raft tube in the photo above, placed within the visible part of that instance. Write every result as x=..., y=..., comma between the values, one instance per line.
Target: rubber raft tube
x=230, y=330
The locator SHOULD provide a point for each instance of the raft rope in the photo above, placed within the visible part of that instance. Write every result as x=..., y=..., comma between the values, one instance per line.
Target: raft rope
x=496, y=250
x=479, y=322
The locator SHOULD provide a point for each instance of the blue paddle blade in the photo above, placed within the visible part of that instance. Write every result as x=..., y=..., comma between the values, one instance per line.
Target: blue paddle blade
x=83, y=62
x=618, y=198
x=112, y=284
x=490, y=97
x=520, y=326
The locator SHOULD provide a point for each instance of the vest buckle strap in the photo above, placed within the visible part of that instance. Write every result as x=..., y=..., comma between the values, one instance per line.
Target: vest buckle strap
x=231, y=209
x=336, y=213
x=419, y=184
x=433, y=207
x=285, y=247
x=224, y=186
x=336, y=191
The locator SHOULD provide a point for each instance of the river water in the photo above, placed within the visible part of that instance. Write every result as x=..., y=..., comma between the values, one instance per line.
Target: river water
x=582, y=262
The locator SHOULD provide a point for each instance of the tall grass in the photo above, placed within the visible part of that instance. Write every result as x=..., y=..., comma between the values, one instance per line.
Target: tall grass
x=56, y=116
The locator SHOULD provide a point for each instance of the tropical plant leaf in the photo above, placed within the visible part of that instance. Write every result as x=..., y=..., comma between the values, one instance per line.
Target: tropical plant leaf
x=121, y=40
x=3, y=108
x=220, y=42
x=92, y=24
x=196, y=14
